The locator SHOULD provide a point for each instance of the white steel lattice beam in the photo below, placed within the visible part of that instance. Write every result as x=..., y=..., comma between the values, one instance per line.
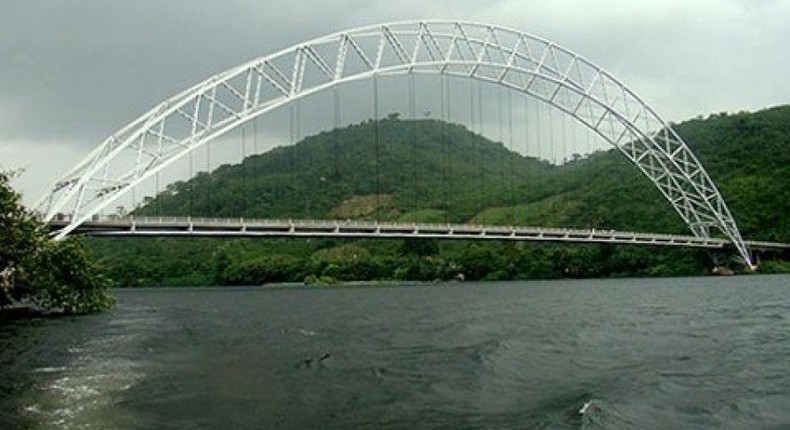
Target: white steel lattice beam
x=484, y=52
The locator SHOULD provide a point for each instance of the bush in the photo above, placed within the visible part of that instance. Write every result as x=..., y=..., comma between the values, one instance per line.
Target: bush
x=58, y=276
x=774, y=266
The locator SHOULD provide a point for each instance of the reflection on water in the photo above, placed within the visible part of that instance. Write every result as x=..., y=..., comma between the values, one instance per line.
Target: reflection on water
x=94, y=369
x=658, y=353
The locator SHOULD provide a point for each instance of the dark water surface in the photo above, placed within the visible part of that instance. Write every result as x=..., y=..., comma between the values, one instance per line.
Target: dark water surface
x=647, y=353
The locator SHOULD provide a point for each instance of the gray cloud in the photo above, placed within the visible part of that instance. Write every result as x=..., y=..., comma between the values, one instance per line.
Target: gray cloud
x=73, y=72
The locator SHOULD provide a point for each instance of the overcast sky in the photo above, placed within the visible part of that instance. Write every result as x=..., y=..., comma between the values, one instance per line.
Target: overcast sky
x=73, y=72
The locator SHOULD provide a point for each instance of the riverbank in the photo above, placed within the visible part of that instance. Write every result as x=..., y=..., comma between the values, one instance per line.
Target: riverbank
x=322, y=282
x=26, y=311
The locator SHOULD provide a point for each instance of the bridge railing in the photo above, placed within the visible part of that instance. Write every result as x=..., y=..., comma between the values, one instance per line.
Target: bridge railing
x=114, y=224
x=240, y=222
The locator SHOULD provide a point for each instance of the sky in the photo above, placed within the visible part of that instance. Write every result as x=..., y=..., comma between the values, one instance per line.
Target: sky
x=73, y=72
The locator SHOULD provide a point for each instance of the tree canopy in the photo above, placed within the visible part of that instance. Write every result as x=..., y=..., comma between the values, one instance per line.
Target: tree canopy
x=36, y=271
x=430, y=171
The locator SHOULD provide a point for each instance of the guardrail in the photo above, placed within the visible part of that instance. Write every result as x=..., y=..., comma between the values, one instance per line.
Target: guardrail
x=243, y=227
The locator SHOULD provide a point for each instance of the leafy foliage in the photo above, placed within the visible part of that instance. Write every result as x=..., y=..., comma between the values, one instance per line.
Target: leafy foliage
x=429, y=171
x=66, y=277
x=53, y=275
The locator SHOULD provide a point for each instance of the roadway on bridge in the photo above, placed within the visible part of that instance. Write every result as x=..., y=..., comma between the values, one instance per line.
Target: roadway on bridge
x=241, y=227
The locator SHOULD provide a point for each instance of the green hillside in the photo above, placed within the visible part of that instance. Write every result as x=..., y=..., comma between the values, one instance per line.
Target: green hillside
x=416, y=165
x=426, y=170
x=748, y=156
x=421, y=170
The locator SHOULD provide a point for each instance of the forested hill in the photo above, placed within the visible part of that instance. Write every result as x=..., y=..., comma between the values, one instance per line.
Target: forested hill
x=426, y=170
x=414, y=168
x=748, y=156
x=430, y=171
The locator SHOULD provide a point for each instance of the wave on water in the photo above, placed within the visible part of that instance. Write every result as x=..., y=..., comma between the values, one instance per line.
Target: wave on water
x=84, y=394
x=599, y=414
x=622, y=355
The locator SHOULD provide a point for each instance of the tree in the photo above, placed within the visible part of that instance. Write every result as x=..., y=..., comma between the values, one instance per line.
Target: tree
x=20, y=239
x=53, y=275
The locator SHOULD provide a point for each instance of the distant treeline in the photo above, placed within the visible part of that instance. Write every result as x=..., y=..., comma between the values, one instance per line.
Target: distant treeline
x=431, y=171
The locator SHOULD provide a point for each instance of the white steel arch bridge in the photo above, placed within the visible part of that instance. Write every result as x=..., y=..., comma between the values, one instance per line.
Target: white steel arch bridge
x=489, y=53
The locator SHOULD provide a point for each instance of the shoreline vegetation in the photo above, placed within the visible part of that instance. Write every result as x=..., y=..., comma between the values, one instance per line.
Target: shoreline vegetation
x=41, y=277
x=343, y=285
x=745, y=153
x=330, y=176
x=246, y=262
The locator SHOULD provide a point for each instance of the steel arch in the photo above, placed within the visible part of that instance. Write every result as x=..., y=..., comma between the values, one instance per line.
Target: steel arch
x=494, y=54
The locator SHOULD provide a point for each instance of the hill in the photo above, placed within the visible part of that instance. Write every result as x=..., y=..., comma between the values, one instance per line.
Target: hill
x=748, y=155
x=413, y=166
x=422, y=170
x=426, y=170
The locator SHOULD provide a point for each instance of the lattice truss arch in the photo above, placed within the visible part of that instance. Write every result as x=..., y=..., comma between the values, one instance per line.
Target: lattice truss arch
x=498, y=55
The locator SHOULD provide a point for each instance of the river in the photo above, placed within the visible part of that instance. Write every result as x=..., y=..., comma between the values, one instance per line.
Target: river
x=680, y=353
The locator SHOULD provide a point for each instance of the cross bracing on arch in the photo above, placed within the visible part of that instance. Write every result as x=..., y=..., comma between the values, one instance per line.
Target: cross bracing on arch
x=506, y=57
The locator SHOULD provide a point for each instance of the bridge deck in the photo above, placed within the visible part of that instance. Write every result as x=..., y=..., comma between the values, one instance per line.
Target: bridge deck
x=240, y=227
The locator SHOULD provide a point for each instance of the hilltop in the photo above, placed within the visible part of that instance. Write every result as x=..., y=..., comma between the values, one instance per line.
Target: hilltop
x=427, y=170
x=415, y=169
x=421, y=170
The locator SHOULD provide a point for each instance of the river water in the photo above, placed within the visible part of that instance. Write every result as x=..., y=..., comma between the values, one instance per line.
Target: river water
x=641, y=353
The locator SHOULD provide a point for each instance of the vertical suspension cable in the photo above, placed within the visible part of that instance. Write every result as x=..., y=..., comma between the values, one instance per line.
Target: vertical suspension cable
x=538, y=136
x=471, y=105
x=134, y=199
x=500, y=113
x=565, y=156
x=551, y=136
x=527, y=127
x=376, y=143
x=291, y=139
x=443, y=170
x=191, y=182
x=207, y=207
x=298, y=125
x=591, y=138
x=291, y=159
x=527, y=153
x=539, y=143
x=471, y=130
x=254, y=152
x=448, y=165
x=336, y=132
x=305, y=163
x=158, y=197
x=512, y=157
x=255, y=136
x=555, y=163
x=413, y=138
x=527, y=130
x=500, y=124
x=588, y=149
x=482, y=150
x=243, y=194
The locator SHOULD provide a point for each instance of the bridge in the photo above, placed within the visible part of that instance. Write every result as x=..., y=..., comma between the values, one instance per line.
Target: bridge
x=241, y=227
x=521, y=63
